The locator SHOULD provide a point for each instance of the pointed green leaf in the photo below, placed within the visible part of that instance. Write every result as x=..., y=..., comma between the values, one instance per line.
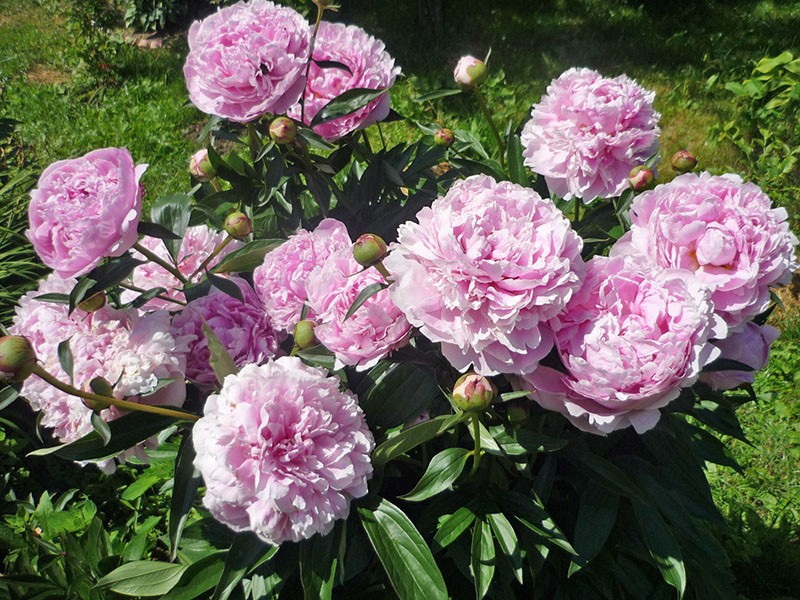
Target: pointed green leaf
x=220, y=359
x=318, y=562
x=65, y=359
x=101, y=427
x=482, y=558
x=142, y=578
x=517, y=171
x=662, y=546
x=597, y=514
x=442, y=471
x=530, y=511
x=246, y=551
x=248, y=257
x=507, y=540
x=412, y=437
x=184, y=490
x=452, y=526
x=346, y=103
x=7, y=395
x=393, y=393
x=155, y=230
x=365, y=295
x=172, y=212
x=198, y=578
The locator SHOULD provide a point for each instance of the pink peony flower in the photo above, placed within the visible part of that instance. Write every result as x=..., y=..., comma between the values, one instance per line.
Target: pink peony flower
x=198, y=243
x=281, y=279
x=282, y=451
x=243, y=328
x=370, y=67
x=722, y=230
x=484, y=270
x=372, y=332
x=469, y=72
x=132, y=352
x=749, y=346
x=85, y=209
x=629, y=340
x=247, y=60
x=588, y=132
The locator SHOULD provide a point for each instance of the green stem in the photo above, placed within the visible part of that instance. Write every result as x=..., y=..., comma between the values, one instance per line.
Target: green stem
x=134, y=288
x=160, y=261
x=367, y=144
x=320, y=11
x=382, y=270
x=482, y=104
x=576, y=218
x=213, y=254
x=380, y=133
x=108, y=401
x=216, y=185
x=476, y=433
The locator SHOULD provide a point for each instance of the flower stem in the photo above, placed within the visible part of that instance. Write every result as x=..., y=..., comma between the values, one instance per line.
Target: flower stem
x=476, y=433
x=213, y=254
x=108, y=401
x=382, y=270
x=134, y=288
x=482, y=104
x=320, y=11
x=160, y=262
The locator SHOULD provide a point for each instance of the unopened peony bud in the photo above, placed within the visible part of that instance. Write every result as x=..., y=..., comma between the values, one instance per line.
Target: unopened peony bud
x=444, y=138
x=641, y=178
x=683, y=161
x=473, y=392
x=304, y=336
x=517, y=411
x=93, y=302
x=283, y=130
x=200, y=166
x=101, y=387
x=238, y=225
x=469, y=72
x=369, y=249
x=17, y=359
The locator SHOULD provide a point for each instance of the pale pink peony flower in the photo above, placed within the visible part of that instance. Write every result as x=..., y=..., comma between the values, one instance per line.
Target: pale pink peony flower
x=280, y=280
x=750, y=346
x=130, y=351
x=484, y=270
x=721, y=230
x=85, y=209
x=372, y=332
x=588, y=132
x=242, y=327
x=282, y=451
x=629, y=339
x=370, y=67
x=247, y=60
x=198, y=243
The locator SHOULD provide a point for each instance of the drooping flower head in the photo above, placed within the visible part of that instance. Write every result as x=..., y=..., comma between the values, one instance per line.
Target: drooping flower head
x=85, y=209
x=723, y=231
x=280, y=280
x=198, y=243
x=629, y=339
x=242, y=327
x=247, y=60
x=482, y=272
x=588, y=132
x=282, y=451
x=368, y=66
x=375, y=329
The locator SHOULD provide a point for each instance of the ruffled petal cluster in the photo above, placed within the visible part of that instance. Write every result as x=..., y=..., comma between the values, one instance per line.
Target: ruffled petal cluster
x=721, y=230
x=482, y=272
x=280, y=280
x=588, y=132
x=750, y=346
x=366, y=65
x=247, y=60
x=243, y=328
x=282, y=451
x=375, y=329
x=85, y=209
x=629, y=340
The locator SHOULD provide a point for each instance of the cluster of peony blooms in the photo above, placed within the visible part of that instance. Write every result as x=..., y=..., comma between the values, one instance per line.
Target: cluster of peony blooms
x=491, y=271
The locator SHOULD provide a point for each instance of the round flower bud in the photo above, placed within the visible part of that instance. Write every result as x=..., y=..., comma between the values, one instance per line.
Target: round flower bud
x=200, y=166
x=93, y=303
x=369, y=249
x=683, y=161
x=17, y=359
x=469, y=72
x=473, y=393
x=517, y=411
x=641, y=178
x=238, y=225
x=304, y=336
x=101, y=387
x=444, y=138
x=283, y=130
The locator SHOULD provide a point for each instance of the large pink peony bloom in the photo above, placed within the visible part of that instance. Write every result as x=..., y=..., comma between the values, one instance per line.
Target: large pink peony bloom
x=485, y=268
x=588, y=132
x=282, y=451
x=370, y=67
x=281, y=279
x=130, y=351
x=750, y=346
x=373, y=331
x=85, y=209
x=198, y=243
x=247, y=60
x=630, y=339
x=722, y=230
x=242, y=327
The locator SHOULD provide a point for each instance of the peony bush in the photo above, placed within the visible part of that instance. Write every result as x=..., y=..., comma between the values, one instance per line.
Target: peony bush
x=495, y=390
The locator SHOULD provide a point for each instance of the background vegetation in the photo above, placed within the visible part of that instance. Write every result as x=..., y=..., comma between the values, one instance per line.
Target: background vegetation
x=72, y=79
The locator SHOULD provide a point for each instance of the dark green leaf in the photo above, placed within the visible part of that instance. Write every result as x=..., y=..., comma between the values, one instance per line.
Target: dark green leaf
x=405, y=556
x=184, y=490
x=662, y=546
x=442, y=471
x=172, y=212
x=452, y=526
x=515, y=442
x=610, y=476
x=394, y=393
x=78, y=293
x=346, y=103
x=365, y=295
x=436, y=94
x=142, y=578
x=318, y=356
x=482, y=554
x=517, y=171
x=720, y=415
x=220, y=359
x=530, y=511
x=318, y=562
x=7, y=395
x=226, y=286
x=726, y=364
x=248, y=257
x=507, y=539
x=597, y=514
x=145, y=297
x=198, y=578
x=101, y=427
x=320, y=188
x=245, y=552
x=65, y=359
x=54, y=298
x=111, y=273
x=412, y=437
x=154, y=230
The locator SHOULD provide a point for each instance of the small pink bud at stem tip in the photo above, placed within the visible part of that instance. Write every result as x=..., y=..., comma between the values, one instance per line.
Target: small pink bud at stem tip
x=641, y=178
x=473, y=392
x=683, y=161
x=304, y=336
x=238, y=225
x=444, y=138
x=369, y=249
x=283, y=130
x=200, y=167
